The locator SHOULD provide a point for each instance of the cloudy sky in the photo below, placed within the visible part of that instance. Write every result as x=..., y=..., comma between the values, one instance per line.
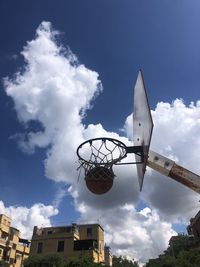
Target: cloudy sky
x=68, y=70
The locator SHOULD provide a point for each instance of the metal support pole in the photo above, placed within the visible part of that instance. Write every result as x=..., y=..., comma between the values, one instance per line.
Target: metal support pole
x=169, y=168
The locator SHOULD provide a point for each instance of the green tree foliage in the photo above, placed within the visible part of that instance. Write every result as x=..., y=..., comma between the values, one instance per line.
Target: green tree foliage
x=189, y=258
x=83, y=262
x=123, y=262
x=3, y=263
x=54, y=260
x=49, y=260
x=180, y=243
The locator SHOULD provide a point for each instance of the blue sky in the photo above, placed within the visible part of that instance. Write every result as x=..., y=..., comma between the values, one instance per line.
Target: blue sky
x=115, y=39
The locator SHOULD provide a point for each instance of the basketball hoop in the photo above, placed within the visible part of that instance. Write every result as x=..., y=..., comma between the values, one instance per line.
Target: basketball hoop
x=97, y=157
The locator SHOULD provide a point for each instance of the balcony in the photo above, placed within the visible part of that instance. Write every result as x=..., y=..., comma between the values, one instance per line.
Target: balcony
x=88, y=244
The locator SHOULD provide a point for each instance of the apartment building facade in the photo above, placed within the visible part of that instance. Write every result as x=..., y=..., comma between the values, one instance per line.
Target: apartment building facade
x=108, y=255
x=13, y=249
x=194, y=227
x=71, y=242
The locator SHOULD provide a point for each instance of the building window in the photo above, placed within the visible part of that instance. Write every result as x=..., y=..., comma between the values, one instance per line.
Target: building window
x=49, y=232
x=61, y=245
x=68, y=229
x=40, y=247
x=4, y=235
x=14, y=246
x=89, y=232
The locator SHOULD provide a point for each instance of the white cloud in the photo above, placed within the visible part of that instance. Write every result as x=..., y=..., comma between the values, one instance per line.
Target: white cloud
x=60, y=194
x=176, y=125
x=175, y=135
x=24, y=219
x=141, y=235
x=56, y=90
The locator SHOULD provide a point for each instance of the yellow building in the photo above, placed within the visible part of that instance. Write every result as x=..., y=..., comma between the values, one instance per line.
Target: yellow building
x=70, y=242
x=13, y=249
x=108, y=256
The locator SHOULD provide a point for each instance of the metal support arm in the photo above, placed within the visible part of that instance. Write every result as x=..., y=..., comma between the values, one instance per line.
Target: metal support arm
x=169, y=168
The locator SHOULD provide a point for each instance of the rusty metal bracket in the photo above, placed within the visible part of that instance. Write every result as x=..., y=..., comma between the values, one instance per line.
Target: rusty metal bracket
x=169, y=168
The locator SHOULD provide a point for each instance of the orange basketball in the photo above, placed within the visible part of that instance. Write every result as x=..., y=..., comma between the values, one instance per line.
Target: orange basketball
x=99, y=180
